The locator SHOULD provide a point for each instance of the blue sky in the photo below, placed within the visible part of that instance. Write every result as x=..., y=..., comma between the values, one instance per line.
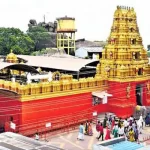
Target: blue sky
x=93, y=17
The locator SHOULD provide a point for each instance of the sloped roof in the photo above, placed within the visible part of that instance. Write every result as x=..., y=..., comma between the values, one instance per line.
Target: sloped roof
x=70, y=64
x=13, y=141
x=86, y=43
x=92, y=49
x=21, y=67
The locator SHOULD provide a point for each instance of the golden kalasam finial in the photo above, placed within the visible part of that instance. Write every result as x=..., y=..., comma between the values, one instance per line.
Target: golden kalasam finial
x=11, y=51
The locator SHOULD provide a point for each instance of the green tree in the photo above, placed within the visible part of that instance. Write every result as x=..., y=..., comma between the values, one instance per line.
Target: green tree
x=13, y=38
x=39, y=35
x=148, y=53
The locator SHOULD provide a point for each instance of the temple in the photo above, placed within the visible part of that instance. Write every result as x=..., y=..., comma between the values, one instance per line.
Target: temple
x=125, y=64
x=34, y=96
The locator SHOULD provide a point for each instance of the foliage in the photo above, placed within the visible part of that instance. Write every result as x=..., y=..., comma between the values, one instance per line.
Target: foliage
x=15, y=39
x=39, y=53
x=148, y=53
x=39, y=35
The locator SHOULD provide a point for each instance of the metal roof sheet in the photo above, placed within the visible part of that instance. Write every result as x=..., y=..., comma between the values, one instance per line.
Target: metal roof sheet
x=70, y=64
x=12, y=141
x=92, y=49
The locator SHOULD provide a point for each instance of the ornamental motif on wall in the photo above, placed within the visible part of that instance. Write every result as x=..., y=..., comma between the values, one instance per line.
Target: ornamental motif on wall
x=128, y=90
x=56, y=76
x=107, y=68
x=148, y=87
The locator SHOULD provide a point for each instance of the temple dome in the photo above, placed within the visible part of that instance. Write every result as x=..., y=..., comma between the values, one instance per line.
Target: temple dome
x=11, y=57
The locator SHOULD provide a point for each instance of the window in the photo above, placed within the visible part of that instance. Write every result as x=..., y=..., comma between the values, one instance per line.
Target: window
x=137, y=55
x=130, y=20
x=131, y=29
x=96, y=101
x=140, y=71
x=133, y=41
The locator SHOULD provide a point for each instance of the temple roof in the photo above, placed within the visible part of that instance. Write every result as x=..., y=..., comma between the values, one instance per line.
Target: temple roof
x=21, y=67
x=70, y=64
x=92, y=49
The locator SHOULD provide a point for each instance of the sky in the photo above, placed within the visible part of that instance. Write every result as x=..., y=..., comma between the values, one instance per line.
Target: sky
x=93, y=17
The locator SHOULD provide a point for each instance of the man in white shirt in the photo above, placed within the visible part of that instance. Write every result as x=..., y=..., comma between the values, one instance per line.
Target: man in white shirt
x=142, y=121
x=125, y=123
x=121, y=131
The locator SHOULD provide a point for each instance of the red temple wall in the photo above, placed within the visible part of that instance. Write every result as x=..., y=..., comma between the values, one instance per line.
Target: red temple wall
x=9, y=107
x=119, y=102
x=73, y=107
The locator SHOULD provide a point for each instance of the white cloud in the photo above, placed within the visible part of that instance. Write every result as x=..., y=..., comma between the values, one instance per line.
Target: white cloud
x=93, y=17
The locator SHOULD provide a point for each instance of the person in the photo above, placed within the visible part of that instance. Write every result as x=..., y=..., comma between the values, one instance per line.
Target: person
x=97, y=129
x=37, y=136
x=130, y=121
x=139, y=124
x=136, y=134
x=113, y=123
x=110, y=119
x=106, y=116
x=90, y=131
x=81, y=132
x=125, y=124
x=131, y=135
x=101, y=131
x=107, y=137
x=126, y=131
x=104, y=122
x=134, y=125
x=147, y=120
x=86, y=128
x=119, y=122
x=115, y=131
x=142, y=120
x=121, y=131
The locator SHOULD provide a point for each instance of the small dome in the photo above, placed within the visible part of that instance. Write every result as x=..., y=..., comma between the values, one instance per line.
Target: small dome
x=11, y=56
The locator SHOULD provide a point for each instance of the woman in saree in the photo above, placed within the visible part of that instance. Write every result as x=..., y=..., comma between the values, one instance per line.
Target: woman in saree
x=115, y=131
x=86, y=128
x=113, y=123
x=131, y=135
x=107, y=137
x=90, y=130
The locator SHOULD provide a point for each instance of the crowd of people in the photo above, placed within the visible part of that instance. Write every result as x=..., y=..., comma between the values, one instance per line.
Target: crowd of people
x=130, y=128
x=87, y=130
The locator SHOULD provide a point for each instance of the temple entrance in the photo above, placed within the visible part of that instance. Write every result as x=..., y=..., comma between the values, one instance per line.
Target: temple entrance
x=138, y=92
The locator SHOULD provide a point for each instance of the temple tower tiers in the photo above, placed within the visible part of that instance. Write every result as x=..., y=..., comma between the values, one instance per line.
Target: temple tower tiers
x=124, y=61
x=124, y=57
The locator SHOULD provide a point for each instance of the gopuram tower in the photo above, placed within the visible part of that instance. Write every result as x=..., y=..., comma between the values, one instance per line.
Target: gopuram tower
x=124, y=64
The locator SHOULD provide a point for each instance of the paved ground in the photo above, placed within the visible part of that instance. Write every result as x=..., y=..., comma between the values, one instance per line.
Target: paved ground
x=68, y=141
